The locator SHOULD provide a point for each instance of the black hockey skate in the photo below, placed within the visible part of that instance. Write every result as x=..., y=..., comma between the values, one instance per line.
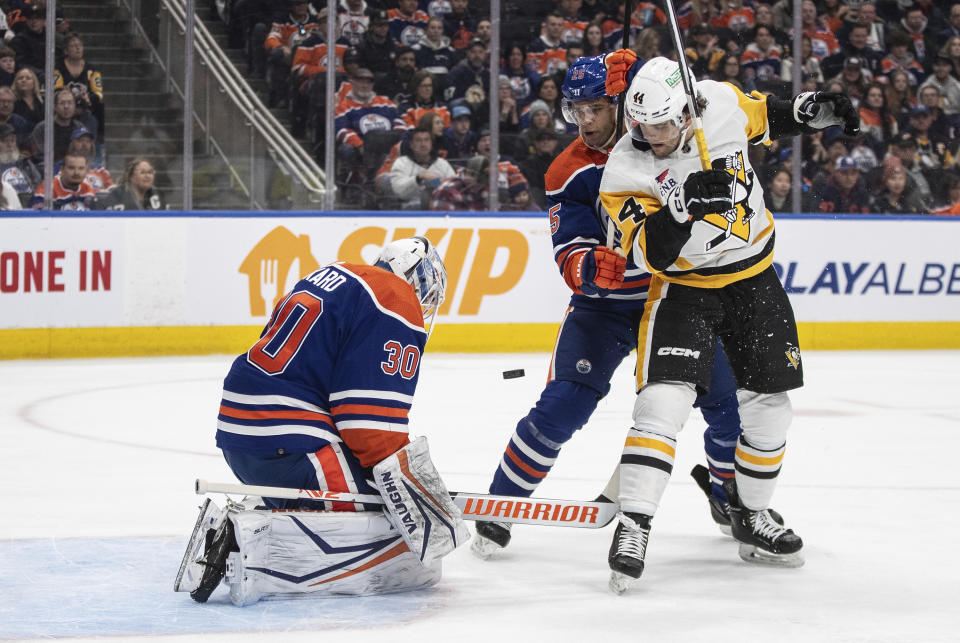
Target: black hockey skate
x=491, y=537
x=628, y=549
x=762, y=540
x=219, y=544
x=719, y=510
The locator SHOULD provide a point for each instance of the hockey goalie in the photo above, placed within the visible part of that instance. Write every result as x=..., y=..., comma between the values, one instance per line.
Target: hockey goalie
x=321, y=402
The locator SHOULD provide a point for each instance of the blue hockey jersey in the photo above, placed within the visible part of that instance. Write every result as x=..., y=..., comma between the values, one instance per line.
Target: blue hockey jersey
x=578, y=223
x=338, y=362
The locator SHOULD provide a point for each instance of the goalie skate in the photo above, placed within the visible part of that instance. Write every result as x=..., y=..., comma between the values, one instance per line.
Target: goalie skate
x=191, y=570
x=762, y=540
x=490, y=538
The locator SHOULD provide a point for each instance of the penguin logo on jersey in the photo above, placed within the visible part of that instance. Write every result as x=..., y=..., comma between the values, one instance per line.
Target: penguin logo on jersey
x=793, y=356
x=735, y=222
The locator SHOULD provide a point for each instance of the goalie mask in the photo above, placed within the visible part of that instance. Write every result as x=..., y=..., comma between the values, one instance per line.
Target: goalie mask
x=416, y=261
x=656, y=96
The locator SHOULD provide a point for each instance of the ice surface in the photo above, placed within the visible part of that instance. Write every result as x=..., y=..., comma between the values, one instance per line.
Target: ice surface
x=98, y=459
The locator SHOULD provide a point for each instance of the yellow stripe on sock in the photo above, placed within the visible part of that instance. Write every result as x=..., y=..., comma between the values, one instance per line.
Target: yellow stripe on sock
x=759, y=460
x=650, y=443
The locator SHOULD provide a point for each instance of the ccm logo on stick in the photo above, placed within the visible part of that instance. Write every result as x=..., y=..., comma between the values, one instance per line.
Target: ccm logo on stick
x=678, y=352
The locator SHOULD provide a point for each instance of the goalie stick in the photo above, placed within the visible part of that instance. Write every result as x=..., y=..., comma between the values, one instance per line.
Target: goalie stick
x=475, y=506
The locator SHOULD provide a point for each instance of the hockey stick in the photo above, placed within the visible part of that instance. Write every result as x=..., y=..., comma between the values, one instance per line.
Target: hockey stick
x=475, y=506
x=692, y=105
x=624, y=44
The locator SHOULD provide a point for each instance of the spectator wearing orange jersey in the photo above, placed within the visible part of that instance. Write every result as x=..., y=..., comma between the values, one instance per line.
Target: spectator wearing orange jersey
x=360, y=115
x=70, y=189
x=822, y=42
x=278, y=48
x=407, y=23
x=573, y=25
x=833, y=15
x=459, y=25
x=309, y=65
x=735, y=17
x=900, y=58
x=762, y=58
x=951, y=207
x=423, y=91
x=81, y=142
x=548, y=52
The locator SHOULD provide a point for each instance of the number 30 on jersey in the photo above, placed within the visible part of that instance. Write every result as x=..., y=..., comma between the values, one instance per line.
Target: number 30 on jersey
x=400, y=359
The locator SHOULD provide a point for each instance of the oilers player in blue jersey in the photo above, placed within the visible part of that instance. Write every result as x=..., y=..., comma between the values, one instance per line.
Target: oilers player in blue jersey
x=601, y=323
x=321, y=402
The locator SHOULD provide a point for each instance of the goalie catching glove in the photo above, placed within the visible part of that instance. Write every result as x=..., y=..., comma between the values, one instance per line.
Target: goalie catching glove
x=418, y=503
x=618, y=64
x=704, y=192
x=596, y=270
x=820, y=110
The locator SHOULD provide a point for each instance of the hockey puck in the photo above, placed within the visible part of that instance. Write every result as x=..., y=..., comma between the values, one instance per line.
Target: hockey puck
x=509, y=375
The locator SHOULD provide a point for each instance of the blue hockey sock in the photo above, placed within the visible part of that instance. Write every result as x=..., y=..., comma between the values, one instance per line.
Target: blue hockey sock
x=562, y=409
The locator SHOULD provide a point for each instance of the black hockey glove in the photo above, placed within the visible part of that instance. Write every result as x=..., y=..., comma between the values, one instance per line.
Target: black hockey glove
x=820, y=110
x=705, y=192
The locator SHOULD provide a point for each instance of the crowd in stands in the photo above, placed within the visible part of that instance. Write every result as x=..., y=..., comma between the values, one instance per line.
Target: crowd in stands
x=413, y=82
x=80, y=181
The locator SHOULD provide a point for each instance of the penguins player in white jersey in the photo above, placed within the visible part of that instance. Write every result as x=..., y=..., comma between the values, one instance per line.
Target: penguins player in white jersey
x=707, y=239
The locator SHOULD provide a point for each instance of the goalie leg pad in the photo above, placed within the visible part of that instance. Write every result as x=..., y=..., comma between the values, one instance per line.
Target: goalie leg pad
x=418, y=502
x=327, y=553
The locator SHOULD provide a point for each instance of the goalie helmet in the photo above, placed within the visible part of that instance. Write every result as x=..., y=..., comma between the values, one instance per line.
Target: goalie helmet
x=585, y=80
x=656, y=94
x=416, y=261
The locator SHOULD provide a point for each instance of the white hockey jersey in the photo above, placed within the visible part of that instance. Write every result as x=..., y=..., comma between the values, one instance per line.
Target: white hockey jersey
x=721, y=248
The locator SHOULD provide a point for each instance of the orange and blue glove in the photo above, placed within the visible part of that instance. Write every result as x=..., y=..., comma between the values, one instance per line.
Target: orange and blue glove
x=618, y=64
x=596, y=270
